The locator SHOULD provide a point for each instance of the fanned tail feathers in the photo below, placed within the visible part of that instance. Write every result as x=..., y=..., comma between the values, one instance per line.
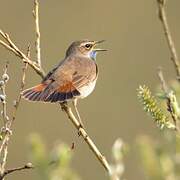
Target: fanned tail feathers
x=41, y=92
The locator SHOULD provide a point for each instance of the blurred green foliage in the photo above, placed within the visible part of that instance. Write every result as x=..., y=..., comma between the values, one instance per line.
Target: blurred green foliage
x=54, y=165
x=119, y=150
x=150, y=105
x=160, y=160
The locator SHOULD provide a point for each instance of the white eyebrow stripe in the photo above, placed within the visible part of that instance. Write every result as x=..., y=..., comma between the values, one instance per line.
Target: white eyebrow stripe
x=90, y=42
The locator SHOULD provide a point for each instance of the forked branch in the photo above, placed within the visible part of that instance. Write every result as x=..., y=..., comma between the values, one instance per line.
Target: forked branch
x=8, y=44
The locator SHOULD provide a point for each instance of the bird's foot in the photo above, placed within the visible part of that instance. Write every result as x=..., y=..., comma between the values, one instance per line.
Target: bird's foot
x=64, y=105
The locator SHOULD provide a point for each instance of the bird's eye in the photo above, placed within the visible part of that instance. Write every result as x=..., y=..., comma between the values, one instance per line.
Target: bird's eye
x=88, y=46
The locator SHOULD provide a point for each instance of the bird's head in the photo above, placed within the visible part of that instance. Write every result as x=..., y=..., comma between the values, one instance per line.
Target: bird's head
x=85, y=48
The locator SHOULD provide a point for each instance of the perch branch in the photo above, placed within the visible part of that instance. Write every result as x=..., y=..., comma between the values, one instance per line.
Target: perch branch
x=37, y=43
x=162, y=16
x=85, y=136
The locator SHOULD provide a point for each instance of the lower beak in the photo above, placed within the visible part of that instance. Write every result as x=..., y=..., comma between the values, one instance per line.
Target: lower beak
x=100, y=49
x=98, y=42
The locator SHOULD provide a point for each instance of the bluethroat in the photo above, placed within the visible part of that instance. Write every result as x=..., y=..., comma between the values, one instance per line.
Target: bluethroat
x=72, y=79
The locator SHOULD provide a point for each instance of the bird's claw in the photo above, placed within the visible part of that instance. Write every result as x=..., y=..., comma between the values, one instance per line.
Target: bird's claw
x=63, y=105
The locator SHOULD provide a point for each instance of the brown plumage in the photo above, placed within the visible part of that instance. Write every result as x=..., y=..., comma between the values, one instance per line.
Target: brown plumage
x=75, y=77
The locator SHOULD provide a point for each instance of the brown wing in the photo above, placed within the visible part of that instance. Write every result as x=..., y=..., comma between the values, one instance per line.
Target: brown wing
x=76, y=72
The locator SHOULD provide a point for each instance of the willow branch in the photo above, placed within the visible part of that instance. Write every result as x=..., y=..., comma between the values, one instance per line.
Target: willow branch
x=3, y=90
x=162, y=16
x=4, y=130
x=8, y=123
x=168, y=99
x=37, y=43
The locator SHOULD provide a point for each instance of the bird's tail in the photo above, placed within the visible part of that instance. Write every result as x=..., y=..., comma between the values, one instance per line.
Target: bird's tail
x=34, y=93
x=41, y=92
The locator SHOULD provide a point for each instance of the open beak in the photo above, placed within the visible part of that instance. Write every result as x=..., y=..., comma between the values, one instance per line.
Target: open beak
x=98, y=49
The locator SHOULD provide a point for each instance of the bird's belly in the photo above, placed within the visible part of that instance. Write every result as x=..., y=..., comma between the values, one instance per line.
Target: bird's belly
x=86, y=90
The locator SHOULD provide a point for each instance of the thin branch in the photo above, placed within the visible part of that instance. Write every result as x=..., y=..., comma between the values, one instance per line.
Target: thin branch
x=4, y=160
x=37, y=43
x=9, y=171
x=162, y=16
x=8, y=123
x=5, y=78
x=17, y=102
x=85, y=136
x=168, y=99
x=13, y=48
x=4, y=144
x=162, y=80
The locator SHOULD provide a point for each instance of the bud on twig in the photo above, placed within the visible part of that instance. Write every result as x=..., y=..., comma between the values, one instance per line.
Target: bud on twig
x=5, y=77
x=2, y=98
x=1, y=83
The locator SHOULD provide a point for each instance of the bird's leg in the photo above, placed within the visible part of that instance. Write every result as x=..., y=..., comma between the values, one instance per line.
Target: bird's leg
x=63, y=105
x=77, y=112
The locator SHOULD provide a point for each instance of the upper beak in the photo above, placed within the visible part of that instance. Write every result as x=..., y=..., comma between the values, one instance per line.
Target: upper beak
x=98, y=42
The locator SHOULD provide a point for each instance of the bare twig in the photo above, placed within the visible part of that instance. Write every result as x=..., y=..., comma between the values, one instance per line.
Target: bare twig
x=8, y=123
x=5, y=78
x=37, y=43
x=9, y=171
x=4, y=144
x=13, y=48
x=168, y=98
x=162, y=80
x=17, y=102
x=162, y=16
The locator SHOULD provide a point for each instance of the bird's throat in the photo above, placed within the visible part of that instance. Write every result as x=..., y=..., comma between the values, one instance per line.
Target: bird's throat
x=93, y=55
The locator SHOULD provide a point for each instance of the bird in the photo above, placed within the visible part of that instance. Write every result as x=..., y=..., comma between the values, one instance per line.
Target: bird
x=71, y=79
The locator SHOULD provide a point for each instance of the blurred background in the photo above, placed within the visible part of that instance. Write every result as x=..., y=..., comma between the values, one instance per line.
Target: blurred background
x=136, y=45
